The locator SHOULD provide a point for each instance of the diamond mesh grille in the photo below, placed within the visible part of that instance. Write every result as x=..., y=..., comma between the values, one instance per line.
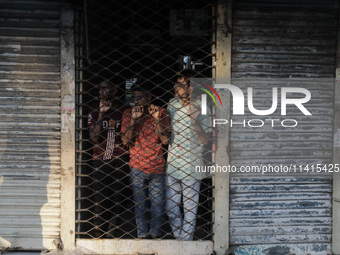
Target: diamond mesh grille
x=121, y=42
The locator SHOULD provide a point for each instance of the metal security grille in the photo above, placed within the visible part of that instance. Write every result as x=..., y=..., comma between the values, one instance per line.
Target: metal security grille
x=120, y=43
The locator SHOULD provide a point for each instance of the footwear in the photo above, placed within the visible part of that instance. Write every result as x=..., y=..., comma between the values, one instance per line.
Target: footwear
x=111, y=230
x=145, y=237
x=97, y=234
x=154, y=237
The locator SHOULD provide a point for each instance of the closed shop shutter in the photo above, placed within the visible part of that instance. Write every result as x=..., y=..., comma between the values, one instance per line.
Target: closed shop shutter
x=29, y=124
x=283, y=44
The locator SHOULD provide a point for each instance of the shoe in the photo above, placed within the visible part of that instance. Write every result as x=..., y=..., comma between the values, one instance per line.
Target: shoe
x=112, y=227
x=97, y=234
x=145, y=237
x=155, y=237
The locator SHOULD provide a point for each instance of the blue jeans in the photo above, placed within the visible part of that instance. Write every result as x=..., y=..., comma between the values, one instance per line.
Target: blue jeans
x=146, y=186
x=186, y=191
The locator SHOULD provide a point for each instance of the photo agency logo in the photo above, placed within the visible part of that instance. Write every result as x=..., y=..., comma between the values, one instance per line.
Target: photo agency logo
x=204, y=104
x=281, y=97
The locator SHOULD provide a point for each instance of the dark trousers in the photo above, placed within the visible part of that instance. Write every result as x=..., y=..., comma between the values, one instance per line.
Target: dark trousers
x=110, y=185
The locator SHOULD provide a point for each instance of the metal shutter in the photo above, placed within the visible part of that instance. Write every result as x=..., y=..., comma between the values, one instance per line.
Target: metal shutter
x=29, y=124
x=283, y=213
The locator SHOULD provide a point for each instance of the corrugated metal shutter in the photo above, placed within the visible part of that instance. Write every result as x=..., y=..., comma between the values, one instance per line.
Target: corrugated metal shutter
x=283, y=213
x=29, y=124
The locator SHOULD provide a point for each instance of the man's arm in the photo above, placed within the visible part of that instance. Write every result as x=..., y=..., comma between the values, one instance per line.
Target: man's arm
x=128, y=124
x=199, y=132
x=162, y=129
x=202, y=136
x=164, y=135
x=96, y=128
x=128, y=132
x=96, y=125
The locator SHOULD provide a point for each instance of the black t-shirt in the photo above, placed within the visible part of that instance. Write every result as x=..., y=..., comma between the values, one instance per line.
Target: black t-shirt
x=110, y=143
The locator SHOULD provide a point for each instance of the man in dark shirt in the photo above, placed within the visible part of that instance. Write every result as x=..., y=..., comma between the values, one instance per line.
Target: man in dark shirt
x=110, y=160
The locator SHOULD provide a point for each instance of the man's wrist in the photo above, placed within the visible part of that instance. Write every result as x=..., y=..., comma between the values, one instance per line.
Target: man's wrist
x=132, y=121
x=100, y=117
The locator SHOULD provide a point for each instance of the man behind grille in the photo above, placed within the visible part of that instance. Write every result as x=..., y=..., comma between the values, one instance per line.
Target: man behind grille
x=190, y=132
x=145, y=129
x=110, y=159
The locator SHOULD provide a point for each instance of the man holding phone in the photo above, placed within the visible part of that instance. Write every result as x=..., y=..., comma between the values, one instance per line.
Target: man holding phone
x=145, y=129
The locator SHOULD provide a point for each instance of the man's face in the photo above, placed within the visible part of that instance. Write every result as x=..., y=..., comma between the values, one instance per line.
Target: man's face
x=106, y=92
x=140, y=98
x=181, y=88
